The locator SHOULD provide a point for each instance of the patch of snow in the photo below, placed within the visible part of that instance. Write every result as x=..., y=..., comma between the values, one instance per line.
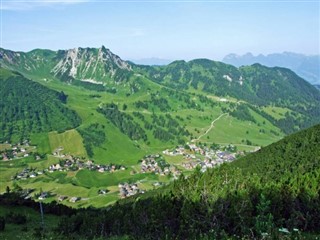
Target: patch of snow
x=227, y=77
x=91, y=81
x=241, y=80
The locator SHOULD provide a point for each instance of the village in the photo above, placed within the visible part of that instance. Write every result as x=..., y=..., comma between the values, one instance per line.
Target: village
x=157, y=165
x=127, y=189
x=204, y=156
x=16, y=151
x=70, y=163
x=193, y=156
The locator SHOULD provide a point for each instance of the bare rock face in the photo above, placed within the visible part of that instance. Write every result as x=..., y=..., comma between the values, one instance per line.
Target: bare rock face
x=89, y=64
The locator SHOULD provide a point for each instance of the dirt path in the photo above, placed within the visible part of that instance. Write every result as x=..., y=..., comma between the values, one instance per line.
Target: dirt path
x=211, y=126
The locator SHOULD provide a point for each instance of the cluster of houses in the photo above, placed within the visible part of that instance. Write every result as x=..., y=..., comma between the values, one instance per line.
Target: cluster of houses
x=26, y=194
x=70, y=164
x=74, y=163
x=44, y=195
x=202, y=156
x=16, y=151
x=27, y=173
x=127, y=189
x=156, y=164
x=193, y=155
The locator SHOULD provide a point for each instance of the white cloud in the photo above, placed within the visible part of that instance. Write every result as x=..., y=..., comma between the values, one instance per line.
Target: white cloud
x=25, y=5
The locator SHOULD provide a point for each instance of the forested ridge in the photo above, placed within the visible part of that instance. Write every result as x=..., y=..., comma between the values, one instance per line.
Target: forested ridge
x=270, y=194
x=28, y=107
x=256, y=84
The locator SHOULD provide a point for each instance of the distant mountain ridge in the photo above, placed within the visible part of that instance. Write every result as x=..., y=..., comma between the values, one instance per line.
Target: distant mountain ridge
x=308, y=67
x=97, y=65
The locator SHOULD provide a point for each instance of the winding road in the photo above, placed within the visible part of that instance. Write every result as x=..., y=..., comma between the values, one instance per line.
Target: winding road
x=211, y=126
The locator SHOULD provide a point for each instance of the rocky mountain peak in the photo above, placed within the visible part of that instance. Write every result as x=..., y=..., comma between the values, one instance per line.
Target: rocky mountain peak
x=89, y=63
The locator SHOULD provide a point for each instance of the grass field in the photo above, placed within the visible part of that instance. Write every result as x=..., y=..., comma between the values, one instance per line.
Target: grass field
x=41, y=140
x=276, y=112
x=92, y=179
x=71, y=142
x=231, y=130
x=4, y=146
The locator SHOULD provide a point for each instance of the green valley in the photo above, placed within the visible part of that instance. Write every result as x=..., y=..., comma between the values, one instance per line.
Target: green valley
x=87, y=105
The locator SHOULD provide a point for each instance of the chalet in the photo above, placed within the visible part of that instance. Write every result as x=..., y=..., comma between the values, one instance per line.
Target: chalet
x=102, y=191
x=33, y=175
x=74, y=199
x=43, y=195
x=61, y=198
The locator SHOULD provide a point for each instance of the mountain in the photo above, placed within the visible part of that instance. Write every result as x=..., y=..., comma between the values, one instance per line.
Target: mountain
x=101, y=70
x=83, y=64
x=256, y=84
x=305, y=66
x=97, y=65
x=273, y=192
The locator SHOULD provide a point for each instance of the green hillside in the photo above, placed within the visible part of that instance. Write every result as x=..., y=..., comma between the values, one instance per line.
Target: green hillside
x=28, y=107
x=258, y=85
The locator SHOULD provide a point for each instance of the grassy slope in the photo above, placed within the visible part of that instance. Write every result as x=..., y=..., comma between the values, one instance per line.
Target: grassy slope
x=71, y=141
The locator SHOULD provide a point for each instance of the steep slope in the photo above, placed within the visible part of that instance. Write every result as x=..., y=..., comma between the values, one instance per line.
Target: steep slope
x=305, y=66
x=90, y=64
x=36, y=62
x=28, y=107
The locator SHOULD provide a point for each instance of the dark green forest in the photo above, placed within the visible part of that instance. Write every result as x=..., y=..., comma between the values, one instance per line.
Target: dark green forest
x=27, y=107
x=93, y=135
x=123, y=121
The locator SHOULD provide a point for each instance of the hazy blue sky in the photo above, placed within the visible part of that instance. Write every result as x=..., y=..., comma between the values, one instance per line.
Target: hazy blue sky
x=163, y=29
